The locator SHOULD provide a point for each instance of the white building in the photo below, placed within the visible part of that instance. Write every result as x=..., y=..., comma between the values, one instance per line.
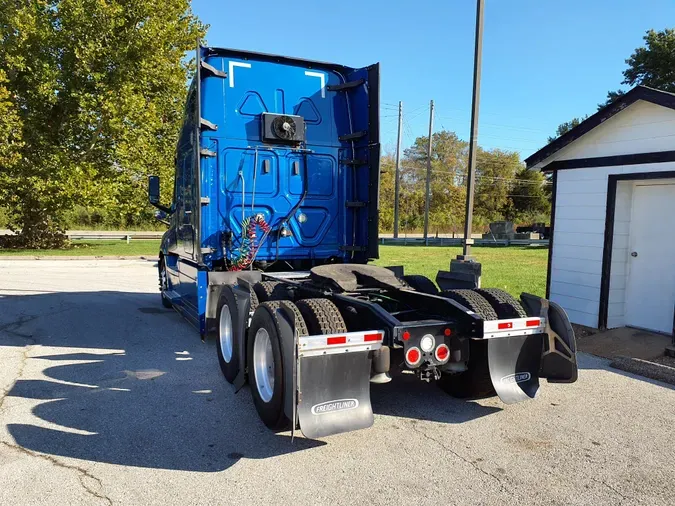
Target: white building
x=612, y=254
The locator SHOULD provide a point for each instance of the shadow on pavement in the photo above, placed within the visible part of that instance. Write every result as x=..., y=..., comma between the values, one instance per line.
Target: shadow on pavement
x=408, y=397
x=135, y=386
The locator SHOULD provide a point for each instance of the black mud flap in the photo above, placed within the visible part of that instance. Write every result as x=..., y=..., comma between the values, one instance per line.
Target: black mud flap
x=243, y=308
x=514, y=366
x=559, y=358
x=334, y=394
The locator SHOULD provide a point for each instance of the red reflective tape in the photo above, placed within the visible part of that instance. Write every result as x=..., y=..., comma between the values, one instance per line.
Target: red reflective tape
x=336, y=340
x=505, y=325
x=372, y=337
x=533, y=323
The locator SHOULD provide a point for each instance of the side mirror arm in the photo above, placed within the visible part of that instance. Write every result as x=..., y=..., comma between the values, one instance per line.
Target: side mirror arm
x=167, y=210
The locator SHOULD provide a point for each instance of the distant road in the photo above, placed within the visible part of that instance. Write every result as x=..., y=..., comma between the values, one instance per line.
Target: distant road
x=403, y=239
x=114, y=234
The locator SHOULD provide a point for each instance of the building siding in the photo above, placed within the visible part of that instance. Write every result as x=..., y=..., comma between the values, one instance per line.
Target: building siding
x=642, y=127
x=576, y=260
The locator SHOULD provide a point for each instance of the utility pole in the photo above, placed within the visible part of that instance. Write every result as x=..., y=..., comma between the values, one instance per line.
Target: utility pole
x=398, y=168
x=473, y=141
x=428, y=198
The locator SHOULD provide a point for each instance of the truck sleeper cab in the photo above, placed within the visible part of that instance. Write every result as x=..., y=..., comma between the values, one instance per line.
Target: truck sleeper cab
x=274, y=218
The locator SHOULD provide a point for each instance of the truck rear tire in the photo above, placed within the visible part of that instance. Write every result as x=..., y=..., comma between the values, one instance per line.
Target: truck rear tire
x=421, y=284
x=265, y=363
x=321, y=316
x=505, y=305
x=164, y=284
x=270, y=290
x=230, y=333
x=475, y=382
x=472, y=301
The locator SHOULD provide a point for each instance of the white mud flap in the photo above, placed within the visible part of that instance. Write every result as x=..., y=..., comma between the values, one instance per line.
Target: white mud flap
x=520, y=351
x=334, y=394
x=514, y=366
x=327, y=379
x=514, y=356
x=334, y=382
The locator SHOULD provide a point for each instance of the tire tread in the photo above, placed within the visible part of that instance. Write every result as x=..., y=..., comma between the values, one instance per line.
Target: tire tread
x=321, y=316
x=473, y=301
x=505, y=305
x=421, y=283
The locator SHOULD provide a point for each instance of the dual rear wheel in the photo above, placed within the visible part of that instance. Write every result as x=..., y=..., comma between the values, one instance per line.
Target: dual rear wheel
x=264, y=359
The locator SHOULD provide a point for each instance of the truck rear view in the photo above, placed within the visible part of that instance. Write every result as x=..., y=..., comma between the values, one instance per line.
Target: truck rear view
x=274, y=218
x=288, y=163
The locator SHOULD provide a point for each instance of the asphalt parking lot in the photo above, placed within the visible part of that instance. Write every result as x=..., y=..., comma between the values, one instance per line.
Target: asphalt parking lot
x=107, y=398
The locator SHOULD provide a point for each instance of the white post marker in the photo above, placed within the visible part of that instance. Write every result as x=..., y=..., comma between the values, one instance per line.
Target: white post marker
x=231, y=73
x=321, y=76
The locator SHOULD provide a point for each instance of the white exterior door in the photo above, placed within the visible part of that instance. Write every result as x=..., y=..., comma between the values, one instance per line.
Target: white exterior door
x=650, y=289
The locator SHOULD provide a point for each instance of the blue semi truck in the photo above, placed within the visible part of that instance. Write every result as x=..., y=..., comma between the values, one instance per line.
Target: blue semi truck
x=273, y=221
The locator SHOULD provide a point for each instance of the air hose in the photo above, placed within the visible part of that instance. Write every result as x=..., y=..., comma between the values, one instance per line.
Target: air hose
x=247, y=251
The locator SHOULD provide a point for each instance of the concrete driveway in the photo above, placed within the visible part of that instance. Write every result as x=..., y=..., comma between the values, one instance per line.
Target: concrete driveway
x=107, y=398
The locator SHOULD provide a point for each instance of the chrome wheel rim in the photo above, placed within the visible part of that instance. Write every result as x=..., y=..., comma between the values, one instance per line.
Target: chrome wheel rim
x=225, y=333
x=263, y=365
x=163, y=279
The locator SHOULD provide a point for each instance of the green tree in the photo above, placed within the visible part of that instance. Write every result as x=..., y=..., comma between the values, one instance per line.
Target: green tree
x=10, y=130
x=448, y=166
x=651, y=65
x=563, y=128
x=611, y=97
x=387, y=179
x=530, y=197
x=98, y=88
x=495, y=172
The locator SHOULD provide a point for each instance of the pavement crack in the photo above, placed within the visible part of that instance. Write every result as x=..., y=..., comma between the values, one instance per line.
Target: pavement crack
x=12, y=327
x=461, y=457
x=83, y=474
x=603, y=482
x=22, y=366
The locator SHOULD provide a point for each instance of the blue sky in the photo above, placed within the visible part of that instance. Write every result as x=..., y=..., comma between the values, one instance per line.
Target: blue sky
x=544, y=61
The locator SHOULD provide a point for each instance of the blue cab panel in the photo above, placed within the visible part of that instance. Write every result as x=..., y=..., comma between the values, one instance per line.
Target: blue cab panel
x=319, y=194
x=292, y=144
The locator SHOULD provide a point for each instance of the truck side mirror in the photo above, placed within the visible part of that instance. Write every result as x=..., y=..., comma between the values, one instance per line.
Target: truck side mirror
x=153, y=189
x=153, y=194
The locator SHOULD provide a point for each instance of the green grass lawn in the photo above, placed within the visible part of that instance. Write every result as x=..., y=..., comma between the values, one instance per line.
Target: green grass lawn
x=514, y=269
x=117, y=247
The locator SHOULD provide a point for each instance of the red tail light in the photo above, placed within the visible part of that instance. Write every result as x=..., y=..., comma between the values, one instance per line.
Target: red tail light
x=413, y=356
x=406, y=335
x=442, y=353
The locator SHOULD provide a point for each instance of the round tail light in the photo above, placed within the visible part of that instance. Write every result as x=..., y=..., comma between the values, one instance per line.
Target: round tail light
x=442, y=353
x=427, y=343
x=413, y=356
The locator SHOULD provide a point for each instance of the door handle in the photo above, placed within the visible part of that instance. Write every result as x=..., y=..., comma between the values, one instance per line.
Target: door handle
x=634, y=254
